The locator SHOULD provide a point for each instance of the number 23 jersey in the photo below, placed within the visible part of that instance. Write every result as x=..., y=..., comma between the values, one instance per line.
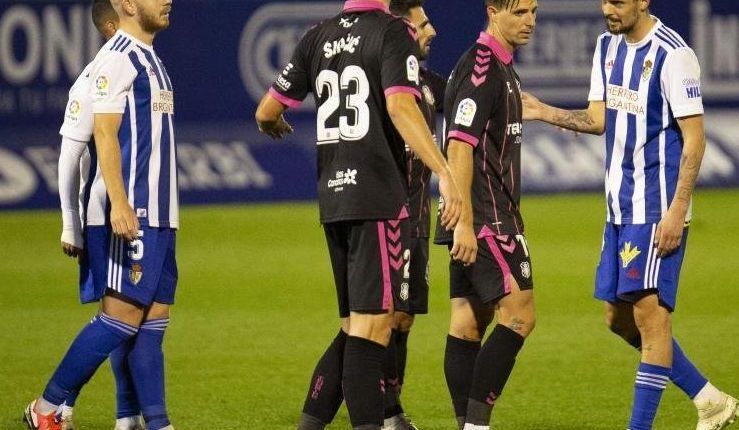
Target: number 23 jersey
x=351, y=63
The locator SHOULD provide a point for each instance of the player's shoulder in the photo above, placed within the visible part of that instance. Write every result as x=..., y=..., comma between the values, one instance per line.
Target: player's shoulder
x=669, y=39
x=606, y=38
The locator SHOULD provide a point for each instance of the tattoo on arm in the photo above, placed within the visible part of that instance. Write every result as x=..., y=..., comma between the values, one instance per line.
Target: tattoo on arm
x=576, y=120
x=690, y=165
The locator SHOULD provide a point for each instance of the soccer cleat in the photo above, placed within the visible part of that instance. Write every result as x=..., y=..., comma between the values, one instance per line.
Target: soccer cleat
x=718, y=416
x=130, y=423
x=399, y=422
x=66, y=416
x=37, y=421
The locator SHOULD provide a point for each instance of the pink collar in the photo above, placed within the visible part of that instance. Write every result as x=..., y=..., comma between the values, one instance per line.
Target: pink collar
x=500, y=52
x=365, y=6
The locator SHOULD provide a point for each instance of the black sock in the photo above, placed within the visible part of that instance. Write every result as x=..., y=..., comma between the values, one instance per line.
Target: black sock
x=459, y=364
x=401, y=343
x=362, y=382
x=390, y=372
x=493, y=367
x=324, y=393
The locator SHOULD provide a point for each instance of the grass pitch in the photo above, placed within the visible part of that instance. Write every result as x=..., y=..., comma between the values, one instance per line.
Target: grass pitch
x=256, y=307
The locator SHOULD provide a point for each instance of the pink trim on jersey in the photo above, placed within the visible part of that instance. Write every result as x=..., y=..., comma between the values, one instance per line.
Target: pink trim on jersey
x=464, y=137
x=387, y=286
x=365, y=6
x=285, y=100
x=400, y=89
x=500, y=52
x=504, y=267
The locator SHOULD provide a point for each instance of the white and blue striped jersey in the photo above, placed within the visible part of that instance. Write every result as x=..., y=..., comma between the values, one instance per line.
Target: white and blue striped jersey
x=646, y=86
x=128, y=78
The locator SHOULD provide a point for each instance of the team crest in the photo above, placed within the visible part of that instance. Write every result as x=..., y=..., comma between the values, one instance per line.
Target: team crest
x=429, y=96
x=404, y=291
x=628, y=254
x=647, y=70
x=526, y=269
x=135, y=274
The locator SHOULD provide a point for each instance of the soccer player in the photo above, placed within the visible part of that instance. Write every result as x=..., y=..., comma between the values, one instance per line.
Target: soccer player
x=363, y=70
x=131, y=215
x=74, y=168
x=490, y=268
x=645, y=95
x=432, y=89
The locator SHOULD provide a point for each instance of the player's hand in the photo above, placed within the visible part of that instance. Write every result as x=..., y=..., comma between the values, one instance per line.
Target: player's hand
x=71, y=250
x=532, y=107
x=452, y=201
x=124, y=221
x=464, y=249
x=669, y=233
x=277, y=129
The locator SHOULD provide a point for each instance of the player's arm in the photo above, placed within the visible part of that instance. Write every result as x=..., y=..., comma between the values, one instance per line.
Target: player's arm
x=591, y=120
x=69, y=183
x=410, y=123
x=270, y=119
x=122, y=217
x=460, y=156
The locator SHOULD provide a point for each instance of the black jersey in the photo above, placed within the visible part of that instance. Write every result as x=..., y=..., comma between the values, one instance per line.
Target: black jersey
x=350, y=63
x=419, y=175
x=482, y=107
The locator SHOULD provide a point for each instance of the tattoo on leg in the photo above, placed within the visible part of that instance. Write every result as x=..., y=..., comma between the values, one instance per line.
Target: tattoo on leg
x=516, y=324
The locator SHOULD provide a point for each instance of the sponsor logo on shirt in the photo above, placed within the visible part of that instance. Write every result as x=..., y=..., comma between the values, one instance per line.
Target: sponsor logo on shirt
x=628, y=254
x=412, y=69
x=348, y=177
x=515, y=128
x=163, y=102
x=466, y=113
x=624, y=99
x=345, y=44
x=692, y=88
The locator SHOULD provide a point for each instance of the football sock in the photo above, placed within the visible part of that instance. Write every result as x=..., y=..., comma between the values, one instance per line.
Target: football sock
x=651, y=381
x=390, y=372
x=401, y=345
x=308, y=422
x=362, y=382
x=708, y=394
x=146, y=362
x=88, y=351
x=324, y=393
x=459, y=365
x=493, y=367
x=71, y=399
x=126, y=401
x=684, y=373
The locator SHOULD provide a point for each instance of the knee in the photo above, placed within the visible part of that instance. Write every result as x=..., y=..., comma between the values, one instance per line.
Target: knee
x=465, y=328
x=404, y=321
x=652, y=321
x=522, y=324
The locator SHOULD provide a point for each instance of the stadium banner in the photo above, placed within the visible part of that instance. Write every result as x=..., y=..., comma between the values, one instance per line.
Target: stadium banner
x=223, y=55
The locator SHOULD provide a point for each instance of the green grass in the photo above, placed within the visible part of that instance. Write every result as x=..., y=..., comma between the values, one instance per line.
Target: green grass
x=256, y=307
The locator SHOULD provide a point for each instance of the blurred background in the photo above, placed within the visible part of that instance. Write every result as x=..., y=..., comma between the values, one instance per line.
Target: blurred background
x=223, y=54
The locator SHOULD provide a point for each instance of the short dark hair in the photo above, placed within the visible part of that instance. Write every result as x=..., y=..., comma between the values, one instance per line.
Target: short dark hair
x=501, y=4
x=102, y=11
x=403, y=7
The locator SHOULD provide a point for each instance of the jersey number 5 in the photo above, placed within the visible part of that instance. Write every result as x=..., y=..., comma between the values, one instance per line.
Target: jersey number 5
x=332, y=85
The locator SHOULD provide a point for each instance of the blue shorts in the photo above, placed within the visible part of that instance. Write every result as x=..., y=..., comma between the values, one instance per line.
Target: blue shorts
x=629, y=265
x=144, y=270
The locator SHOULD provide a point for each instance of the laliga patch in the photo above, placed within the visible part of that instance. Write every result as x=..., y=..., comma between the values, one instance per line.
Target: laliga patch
x=74, y=112
x=102, y=85
x=412, y=69
x=466, y=112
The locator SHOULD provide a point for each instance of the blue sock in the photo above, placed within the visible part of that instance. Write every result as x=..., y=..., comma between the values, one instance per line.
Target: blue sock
x=72, y=398
x=651, y=382
x=88, y=351
x=684, y=373
x=146, y=361
x=126, y=400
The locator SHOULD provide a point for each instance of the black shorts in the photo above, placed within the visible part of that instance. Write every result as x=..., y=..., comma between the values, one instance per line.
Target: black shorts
x=418, y=291
x=497, y=257
x=370, y=263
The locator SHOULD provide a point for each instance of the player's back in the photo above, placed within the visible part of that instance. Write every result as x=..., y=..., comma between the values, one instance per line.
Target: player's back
x=350, y=63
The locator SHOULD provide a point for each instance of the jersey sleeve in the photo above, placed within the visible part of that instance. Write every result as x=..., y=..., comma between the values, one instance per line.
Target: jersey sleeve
x=597, y=75
x=471, y=110
x=400, y=68
x=78, y=117
x=110, y=82
x=681, y=83
x=292, y=85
